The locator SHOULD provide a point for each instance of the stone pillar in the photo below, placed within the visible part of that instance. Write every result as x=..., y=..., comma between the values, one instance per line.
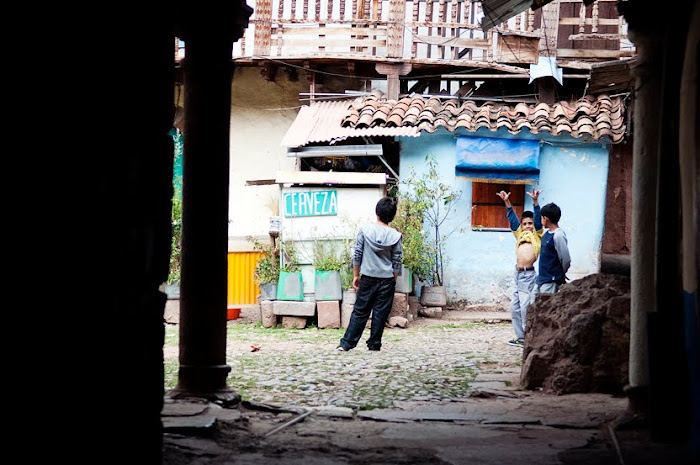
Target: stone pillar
x=207, y=72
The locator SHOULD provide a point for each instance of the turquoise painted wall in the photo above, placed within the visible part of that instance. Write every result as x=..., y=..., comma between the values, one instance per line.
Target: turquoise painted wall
x=481, y=263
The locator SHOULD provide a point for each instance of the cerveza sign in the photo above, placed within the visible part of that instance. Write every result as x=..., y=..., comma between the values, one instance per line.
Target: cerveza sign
x=310, y=203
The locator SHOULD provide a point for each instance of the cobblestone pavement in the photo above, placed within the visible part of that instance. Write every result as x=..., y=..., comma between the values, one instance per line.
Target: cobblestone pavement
x=439, y=392
x=420, y=363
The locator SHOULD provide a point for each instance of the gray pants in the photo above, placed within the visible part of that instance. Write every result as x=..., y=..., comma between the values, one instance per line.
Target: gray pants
x=523, y=295
x=547, y=288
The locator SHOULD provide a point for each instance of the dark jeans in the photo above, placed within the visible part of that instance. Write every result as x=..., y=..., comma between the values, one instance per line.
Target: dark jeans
x=375, y=296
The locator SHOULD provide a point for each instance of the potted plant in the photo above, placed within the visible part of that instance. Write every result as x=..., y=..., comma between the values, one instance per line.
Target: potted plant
x=436, y=200
x=267, y=268
x=417, y=255
x=328, y=262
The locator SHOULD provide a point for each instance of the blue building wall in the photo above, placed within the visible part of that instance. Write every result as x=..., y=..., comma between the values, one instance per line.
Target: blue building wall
x=481, y=263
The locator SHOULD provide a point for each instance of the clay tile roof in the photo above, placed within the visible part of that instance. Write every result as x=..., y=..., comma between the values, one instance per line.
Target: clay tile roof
x=590, y=117
x=365, y=120
x=394, y=120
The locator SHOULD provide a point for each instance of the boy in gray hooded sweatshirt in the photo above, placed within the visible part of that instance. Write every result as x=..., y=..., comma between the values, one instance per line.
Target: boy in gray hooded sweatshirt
x=375, y=265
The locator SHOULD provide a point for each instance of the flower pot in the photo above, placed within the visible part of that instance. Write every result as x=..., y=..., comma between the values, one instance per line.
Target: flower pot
x=233, y=313
x=290, y=286
x=268, y=291
x=433, y=296
x=328, y=285
x=349, y=296
x=171, y=290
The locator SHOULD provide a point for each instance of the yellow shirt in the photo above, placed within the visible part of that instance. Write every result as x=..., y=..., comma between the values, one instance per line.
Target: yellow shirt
x=533, y=237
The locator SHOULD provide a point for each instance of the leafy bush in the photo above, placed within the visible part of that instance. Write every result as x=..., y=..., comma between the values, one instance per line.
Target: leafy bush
x=290, y=262
x=417, y=251
x=176, y=240
x=326, y=256
x=267, y=269
x=432, y=200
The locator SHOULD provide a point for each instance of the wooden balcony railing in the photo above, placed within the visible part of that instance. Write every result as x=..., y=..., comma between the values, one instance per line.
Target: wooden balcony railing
x=431, y=31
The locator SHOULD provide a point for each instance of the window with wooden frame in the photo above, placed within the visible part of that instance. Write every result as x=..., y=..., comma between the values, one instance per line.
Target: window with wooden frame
x=488, y=210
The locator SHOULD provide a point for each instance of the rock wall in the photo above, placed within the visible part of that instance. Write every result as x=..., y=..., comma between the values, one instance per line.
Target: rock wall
x=577, y=340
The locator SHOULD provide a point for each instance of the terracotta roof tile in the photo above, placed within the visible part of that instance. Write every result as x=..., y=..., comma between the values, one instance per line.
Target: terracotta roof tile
x=591, y=117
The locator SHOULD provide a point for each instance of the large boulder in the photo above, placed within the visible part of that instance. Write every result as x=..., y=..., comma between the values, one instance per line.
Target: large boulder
x=577, y=340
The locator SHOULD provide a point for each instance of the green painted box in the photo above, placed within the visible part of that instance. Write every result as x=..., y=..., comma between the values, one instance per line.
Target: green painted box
x=290, y=286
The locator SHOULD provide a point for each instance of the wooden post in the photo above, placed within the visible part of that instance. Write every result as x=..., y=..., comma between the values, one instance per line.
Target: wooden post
x=394, y=41
x=392, y=72
x=263, y=27
x=207, y=74
x=414, y=44
x=550, y=26
x=644, y=182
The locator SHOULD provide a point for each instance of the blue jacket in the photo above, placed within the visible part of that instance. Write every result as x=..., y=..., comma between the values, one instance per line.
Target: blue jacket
x=554, y=257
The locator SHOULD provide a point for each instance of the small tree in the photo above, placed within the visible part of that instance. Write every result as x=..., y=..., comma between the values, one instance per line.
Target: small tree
x=417, y=253
x=436, y=200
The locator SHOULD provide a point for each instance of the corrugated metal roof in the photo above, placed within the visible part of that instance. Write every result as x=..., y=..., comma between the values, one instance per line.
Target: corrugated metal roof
x=498, y=11
x=321, y=122
x=329, y=177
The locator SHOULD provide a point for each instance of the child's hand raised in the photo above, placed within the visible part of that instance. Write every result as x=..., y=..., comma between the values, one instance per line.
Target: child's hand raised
x=534, y=194
x=503, y=195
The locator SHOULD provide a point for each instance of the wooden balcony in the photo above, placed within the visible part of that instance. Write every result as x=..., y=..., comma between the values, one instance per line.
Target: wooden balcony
x=431, y=32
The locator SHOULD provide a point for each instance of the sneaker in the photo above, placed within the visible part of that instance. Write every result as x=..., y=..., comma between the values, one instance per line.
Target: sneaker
x=341, y=349
x=373, y=349
x=515, y=343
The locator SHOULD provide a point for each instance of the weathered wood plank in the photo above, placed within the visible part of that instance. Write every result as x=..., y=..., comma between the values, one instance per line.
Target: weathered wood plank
x=516, y=49
x=332, y=43
x=453, y=41
x=548, y=42
x=395, y=34
x=589, y=21
x=597, y=36
x=263, y=29
x=331, y=30
x=570, y=53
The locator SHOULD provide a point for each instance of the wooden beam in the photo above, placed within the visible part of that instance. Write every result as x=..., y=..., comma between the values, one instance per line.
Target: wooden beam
x=597, y=36
x=464, y=77
x=573, y=53
x=453, y=42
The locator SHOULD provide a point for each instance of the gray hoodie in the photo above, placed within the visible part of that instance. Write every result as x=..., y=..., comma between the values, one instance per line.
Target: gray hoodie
x=378, y=251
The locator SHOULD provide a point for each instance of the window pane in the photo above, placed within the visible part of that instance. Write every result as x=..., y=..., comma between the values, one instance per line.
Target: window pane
x=490, y=211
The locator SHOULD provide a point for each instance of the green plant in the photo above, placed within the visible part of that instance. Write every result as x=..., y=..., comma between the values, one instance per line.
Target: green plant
x=346, y=274
x=289, y=259
x=417, y=253
x=176, y=239
x=435, y=199
x=267, y=268
x=326, y=256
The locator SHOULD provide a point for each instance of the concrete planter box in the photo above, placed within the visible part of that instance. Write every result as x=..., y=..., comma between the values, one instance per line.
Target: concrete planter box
x=171, y=290
x=404, y=282
x=328, y=285
x=290, y=286
x=433, y=296
x=349, y=297
x=268, y=291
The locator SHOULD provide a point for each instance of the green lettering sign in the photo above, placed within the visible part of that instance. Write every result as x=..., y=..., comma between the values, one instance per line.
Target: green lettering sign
x=310, y=203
